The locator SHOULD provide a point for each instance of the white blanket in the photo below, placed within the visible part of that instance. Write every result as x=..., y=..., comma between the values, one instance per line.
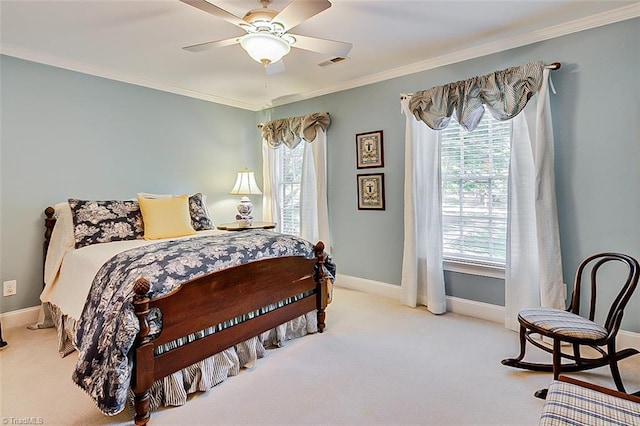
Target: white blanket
x=71, y=283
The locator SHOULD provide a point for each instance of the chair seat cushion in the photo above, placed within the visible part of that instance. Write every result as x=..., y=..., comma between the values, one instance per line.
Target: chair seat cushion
x=563, y=323
x=570, y=404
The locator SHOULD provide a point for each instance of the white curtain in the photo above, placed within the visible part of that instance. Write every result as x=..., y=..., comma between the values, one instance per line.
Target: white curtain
x=270, y=178
x=285, y=134
x=314, y=209
x=422, y=253
x=533, y=275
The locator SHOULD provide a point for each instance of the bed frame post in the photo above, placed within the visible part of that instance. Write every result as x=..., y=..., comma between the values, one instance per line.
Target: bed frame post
x=322, y=294
x=142, y=378
x=49, y=223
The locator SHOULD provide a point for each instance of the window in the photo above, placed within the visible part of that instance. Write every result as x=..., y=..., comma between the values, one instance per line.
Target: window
x=475, y=168
x=290, y=171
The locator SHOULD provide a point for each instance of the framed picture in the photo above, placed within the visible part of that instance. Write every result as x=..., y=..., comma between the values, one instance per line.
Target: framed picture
x=369, y=149
x=371, y=191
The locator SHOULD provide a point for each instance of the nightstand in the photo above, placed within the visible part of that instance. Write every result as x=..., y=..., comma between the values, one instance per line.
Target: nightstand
x=235, y=226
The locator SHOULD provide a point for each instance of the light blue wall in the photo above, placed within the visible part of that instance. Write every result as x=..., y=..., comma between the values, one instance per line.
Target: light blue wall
x=595, y=116
x=66, y=134
x=141, y=140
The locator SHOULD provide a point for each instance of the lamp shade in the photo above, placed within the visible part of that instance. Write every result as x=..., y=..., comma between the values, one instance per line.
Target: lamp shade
x=245, y=184
x=264, y=47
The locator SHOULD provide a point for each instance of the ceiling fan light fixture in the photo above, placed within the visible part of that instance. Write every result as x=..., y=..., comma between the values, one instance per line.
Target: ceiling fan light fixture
x=264, y=47
x=289, y=39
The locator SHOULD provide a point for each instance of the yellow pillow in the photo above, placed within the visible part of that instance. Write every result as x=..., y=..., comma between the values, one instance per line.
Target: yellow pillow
x=166, y=217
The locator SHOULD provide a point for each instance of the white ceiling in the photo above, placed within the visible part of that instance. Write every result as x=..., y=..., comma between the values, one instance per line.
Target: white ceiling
x=140, y=41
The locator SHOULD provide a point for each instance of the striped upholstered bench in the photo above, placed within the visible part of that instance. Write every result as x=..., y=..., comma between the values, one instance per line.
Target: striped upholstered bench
x=574, y=402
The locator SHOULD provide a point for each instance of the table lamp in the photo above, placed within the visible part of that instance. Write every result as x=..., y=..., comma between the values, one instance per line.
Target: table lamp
x=245, y=185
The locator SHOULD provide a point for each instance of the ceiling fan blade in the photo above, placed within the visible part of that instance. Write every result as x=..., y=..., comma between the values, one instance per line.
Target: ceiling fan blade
x=212, y=44
x=216, y=11
x=297, y=12
x=275, y=67
x=320, y=45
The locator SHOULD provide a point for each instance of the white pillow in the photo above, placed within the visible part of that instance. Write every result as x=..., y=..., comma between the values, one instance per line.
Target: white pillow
x=62, y=241
x=155, y=196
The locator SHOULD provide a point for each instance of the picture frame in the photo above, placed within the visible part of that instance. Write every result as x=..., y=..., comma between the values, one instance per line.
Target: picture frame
x=370, y=191
x=369, y=150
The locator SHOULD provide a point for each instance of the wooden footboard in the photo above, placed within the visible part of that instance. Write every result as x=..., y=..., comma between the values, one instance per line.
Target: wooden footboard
x=212, y=299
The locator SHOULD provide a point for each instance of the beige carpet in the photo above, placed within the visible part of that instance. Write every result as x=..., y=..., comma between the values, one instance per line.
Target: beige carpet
x=377, y=363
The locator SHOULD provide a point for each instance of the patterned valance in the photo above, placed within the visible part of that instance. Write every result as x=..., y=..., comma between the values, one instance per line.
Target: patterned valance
x=504, y=93
x=291, y=131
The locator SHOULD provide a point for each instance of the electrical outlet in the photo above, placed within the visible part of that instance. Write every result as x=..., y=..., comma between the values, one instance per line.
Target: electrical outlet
x=10, y=288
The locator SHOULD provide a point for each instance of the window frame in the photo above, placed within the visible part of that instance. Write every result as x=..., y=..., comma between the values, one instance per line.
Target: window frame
x=462, y=264
x=469, y=268
x=284, y=154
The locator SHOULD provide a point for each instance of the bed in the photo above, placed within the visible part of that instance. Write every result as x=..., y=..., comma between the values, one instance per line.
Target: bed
x=156, y=316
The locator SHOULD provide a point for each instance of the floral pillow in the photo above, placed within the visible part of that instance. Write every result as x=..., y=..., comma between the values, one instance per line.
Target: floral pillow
x=200, y=219
x=97, y=222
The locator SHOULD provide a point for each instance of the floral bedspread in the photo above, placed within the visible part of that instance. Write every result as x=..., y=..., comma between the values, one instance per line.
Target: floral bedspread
x=108, y=326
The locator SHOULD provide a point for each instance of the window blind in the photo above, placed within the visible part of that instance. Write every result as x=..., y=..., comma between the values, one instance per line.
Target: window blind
x=475, y=167
x=289, y=187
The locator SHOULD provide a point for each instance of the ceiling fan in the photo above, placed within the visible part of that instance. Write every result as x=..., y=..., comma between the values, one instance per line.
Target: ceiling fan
x=267, y=39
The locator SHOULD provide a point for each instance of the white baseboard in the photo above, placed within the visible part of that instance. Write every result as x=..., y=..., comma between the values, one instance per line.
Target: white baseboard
x=485, y=311
x=368, y=286
x=20, y=317
x=480, y=310
x=628, y=339
x=457, y=305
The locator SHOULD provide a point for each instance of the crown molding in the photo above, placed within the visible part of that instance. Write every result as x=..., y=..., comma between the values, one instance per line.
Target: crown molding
x=610, y=17
x=594, y=21
x=66, y=64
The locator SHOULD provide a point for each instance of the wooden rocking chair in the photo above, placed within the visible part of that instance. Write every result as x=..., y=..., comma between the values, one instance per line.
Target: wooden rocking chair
x=568, y=326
